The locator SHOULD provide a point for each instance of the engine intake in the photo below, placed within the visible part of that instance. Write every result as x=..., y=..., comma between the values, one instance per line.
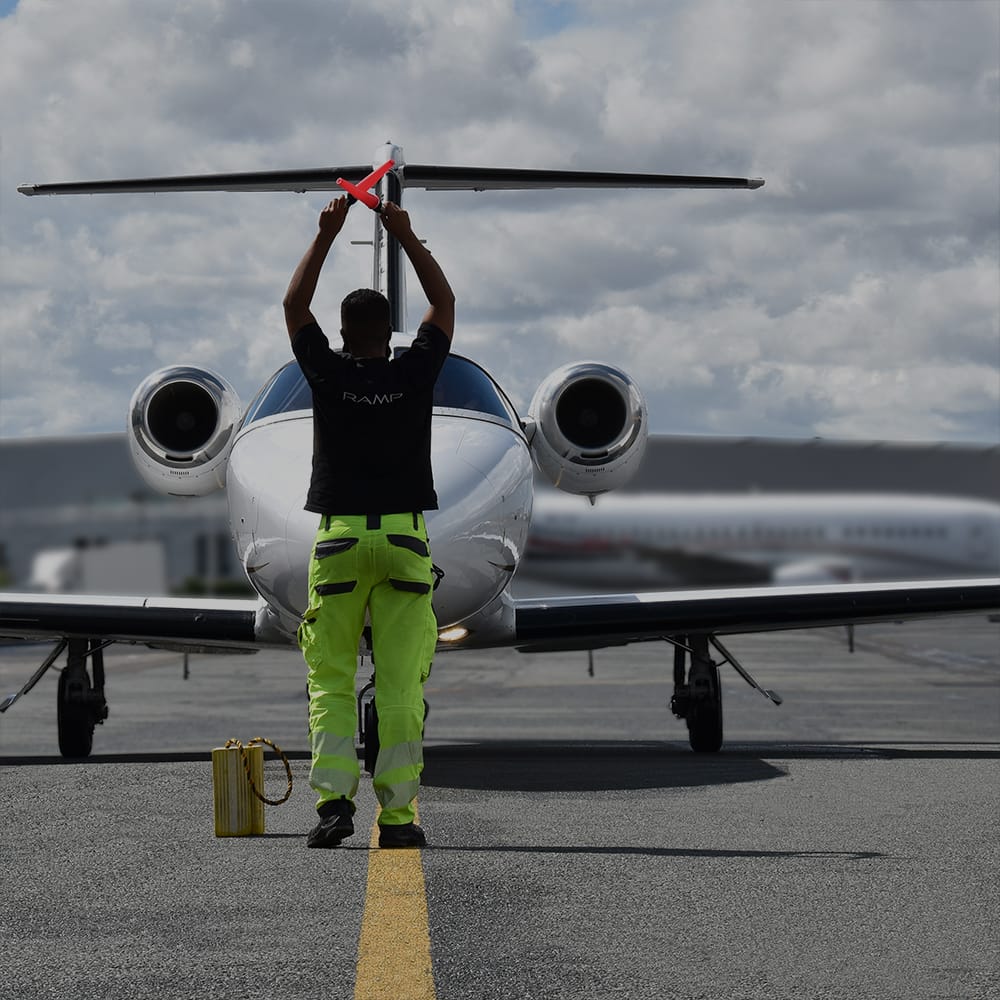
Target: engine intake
x=181, y=426
x=587, y=425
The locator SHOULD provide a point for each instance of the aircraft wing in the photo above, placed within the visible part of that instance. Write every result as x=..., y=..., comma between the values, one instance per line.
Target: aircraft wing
x=534, y=624
x=427, y=176
x=176, y=622
x=590, y=622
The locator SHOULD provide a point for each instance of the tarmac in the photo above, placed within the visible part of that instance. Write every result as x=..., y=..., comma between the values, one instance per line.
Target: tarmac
x=844, y=845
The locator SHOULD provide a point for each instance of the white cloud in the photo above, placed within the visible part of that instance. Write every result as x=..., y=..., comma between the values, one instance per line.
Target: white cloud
x=856, y=294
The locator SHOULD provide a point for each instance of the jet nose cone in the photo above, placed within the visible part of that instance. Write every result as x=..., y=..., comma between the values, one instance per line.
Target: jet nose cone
x=482, y=476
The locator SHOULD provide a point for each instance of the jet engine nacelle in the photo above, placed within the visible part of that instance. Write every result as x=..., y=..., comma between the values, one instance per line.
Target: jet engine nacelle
x=587, y=426
x=181, y=424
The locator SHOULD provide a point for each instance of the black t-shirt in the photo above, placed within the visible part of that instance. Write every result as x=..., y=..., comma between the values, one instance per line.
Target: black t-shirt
x=371, y=424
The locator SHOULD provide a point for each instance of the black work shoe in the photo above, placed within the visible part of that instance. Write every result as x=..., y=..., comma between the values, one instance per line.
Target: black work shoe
x=402, y=835
x=335, y=824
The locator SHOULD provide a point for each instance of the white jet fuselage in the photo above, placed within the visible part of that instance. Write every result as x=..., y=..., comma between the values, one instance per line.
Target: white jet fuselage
x=482, y=476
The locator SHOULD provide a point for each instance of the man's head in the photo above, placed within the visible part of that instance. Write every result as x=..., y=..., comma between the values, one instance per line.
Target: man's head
x=365, y=324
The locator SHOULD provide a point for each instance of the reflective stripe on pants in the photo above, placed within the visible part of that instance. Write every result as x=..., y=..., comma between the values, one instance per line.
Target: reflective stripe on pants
x=386, y=571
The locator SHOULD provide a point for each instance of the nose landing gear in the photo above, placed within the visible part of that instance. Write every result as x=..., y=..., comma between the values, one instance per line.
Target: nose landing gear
x=368, y=724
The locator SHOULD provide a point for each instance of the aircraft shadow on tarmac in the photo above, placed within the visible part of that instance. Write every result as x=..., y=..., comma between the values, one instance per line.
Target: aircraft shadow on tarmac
x=582, y=765
x=568, y=765
x=523, y=766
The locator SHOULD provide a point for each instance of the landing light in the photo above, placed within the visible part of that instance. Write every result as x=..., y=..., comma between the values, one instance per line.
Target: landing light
x=454, y=634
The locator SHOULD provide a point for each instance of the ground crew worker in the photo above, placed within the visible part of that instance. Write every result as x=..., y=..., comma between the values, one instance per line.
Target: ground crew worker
x=371, y=482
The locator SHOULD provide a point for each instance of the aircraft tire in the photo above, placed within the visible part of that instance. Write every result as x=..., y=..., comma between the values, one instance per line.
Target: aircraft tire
x=369, y=716
x=74, y=719
x=705, y=720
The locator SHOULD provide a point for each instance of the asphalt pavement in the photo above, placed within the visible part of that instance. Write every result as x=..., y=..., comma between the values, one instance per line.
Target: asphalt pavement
x=844, y=845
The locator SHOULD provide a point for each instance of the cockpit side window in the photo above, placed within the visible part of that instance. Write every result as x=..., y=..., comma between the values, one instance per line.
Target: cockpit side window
x=461, y=385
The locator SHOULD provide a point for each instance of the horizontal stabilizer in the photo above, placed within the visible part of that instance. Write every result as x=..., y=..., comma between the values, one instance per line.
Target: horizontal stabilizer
x=434, y=178
x=428, y=177
x=321, y=179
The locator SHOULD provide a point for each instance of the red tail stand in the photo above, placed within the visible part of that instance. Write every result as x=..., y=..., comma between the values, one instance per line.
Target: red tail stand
x=360, y=190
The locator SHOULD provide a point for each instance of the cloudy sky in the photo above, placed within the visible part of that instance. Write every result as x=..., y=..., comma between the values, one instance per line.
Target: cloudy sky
x=856, y=295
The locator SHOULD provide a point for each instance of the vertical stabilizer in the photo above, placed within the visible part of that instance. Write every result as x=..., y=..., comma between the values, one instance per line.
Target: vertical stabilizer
x=390, y=262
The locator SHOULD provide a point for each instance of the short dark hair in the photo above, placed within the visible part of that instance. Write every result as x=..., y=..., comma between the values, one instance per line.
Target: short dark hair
x=364, y=321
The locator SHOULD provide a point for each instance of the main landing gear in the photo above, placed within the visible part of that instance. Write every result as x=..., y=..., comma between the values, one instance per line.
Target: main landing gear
x=368, y=724
x=81, y=704
x=80, y=701
x=698, y=689
x=697, y=693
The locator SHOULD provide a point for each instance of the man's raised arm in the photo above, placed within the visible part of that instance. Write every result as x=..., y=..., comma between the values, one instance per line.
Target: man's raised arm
x=441, y=311
x=302, y=287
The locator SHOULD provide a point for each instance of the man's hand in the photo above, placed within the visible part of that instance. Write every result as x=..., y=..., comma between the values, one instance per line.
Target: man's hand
x=396, y=220
x=331, y=219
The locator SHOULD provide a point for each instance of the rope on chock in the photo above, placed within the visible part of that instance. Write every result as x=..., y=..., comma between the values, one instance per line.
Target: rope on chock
x=257, y=741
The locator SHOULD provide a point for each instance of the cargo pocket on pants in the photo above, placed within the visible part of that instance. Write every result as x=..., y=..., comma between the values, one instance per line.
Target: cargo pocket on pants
x=334, y=568
x=409, y=563
x=412, y=572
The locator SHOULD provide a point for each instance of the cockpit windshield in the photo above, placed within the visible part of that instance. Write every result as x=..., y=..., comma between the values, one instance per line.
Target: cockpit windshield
x=461, y=385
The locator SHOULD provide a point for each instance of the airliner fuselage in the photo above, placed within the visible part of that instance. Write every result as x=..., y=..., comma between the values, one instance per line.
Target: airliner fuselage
x=670, y=539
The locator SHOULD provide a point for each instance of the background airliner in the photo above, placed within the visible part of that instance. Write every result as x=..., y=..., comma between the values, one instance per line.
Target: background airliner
x=586, y=429
x=642, y=540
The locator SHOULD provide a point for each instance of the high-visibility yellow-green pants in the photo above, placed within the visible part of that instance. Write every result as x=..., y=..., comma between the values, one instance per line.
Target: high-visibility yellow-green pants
x=380, y=564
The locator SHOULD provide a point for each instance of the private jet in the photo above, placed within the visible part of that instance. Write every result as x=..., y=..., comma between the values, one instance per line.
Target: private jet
x=585, y=429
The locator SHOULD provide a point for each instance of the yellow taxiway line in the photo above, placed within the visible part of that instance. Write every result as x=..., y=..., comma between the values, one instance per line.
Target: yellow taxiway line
x=394, y=948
